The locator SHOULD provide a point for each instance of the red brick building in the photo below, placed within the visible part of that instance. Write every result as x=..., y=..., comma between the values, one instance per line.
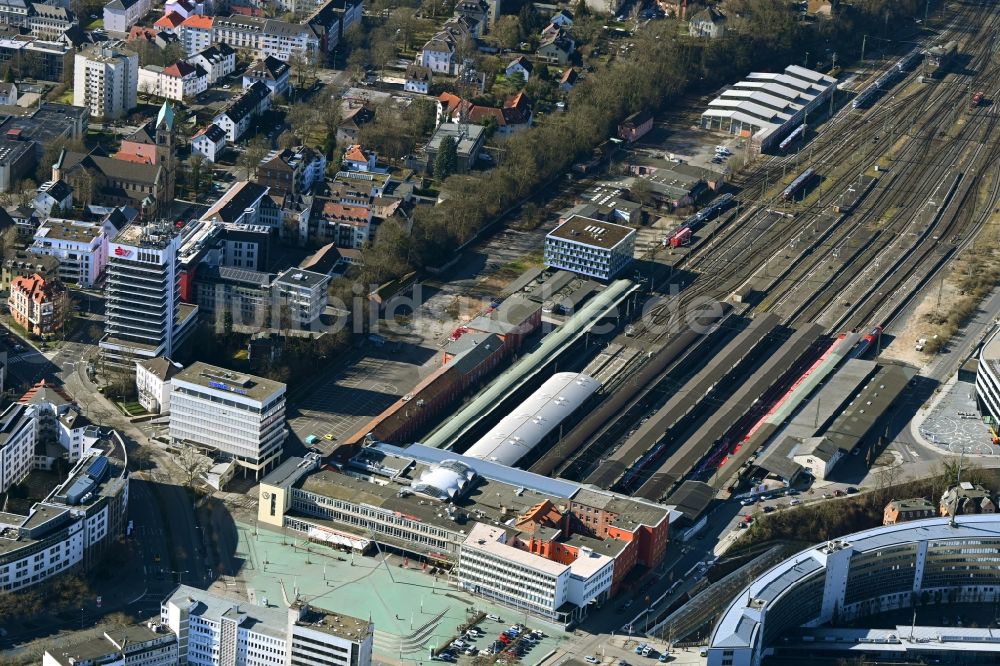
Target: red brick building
x=35, y=303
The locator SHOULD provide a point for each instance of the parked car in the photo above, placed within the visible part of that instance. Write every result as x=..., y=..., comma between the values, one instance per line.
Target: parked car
x=768, y=509
x=795, y=502
x=495, y=618
x=851, y=490
x=591, y=659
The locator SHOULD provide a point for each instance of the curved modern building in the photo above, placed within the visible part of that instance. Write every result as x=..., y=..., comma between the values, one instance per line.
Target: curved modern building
x=988, y=378
x=878, y=570
x=518, y=433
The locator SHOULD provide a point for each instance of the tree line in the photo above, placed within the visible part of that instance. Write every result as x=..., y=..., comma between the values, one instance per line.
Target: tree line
x=654, y=75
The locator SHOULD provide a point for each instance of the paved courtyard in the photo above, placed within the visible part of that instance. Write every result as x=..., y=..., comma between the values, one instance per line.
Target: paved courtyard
x=955, y=423
x=413, y=611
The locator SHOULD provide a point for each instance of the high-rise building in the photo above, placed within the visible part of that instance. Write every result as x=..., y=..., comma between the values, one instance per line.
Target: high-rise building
x=213, y=629
x=105, y=80
x=145, y=315
x=240, y=416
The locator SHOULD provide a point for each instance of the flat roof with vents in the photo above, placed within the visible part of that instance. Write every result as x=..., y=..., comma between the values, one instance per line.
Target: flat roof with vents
x=588, y=231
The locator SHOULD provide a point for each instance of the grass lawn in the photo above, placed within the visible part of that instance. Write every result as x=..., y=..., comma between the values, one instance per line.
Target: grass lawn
x=96, y=24
x=131, y=408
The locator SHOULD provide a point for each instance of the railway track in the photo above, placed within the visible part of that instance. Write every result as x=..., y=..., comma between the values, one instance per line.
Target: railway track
x=720, y=272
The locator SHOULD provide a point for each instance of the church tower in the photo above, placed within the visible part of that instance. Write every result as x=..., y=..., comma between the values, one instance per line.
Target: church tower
x=166, y=149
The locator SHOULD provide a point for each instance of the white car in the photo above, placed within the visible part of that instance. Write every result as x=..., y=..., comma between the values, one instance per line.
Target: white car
x=458, y=644
x=495, y=618
x=592, y=659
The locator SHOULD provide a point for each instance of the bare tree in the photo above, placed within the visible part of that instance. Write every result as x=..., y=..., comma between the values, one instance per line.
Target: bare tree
x=192, y=463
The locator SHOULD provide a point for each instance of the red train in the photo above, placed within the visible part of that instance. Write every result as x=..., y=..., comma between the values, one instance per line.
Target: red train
x=681, y=237
x=977, y=99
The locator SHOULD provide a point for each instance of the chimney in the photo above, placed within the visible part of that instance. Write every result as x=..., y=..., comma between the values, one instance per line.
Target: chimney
x=57, y=167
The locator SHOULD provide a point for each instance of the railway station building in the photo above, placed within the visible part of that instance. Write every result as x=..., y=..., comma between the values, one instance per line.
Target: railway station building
x=765, y=107
x=576, y=544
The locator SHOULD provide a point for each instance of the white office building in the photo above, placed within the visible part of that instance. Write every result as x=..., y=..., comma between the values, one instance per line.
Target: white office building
x=301, y=295
x=590, y=247
x=492, y=565
x=215, y=630
x=106, y=80
x=80, y=247
x=145, y=316
x=239, y=416
x=988, y=379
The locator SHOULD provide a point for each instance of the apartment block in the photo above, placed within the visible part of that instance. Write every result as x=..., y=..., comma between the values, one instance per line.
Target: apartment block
x=106, y=79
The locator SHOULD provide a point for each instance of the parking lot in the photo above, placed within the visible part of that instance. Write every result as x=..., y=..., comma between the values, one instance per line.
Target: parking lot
x=343, y=403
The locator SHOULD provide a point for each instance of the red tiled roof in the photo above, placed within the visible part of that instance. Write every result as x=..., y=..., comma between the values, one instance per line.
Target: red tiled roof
x=171, y=20
x=179, y=69
x=355, y=154
x=339, y=211
x=199, y=21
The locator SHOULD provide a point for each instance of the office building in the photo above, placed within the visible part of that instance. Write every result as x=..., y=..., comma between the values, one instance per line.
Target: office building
x=145, y=316
x=848, y=579
x=292, y=170
x=216, y=630
x=301, y=296
x=105, y=80
x=149, y=644
x=237, y=416
x=17, y=160
x=590, y=247
x=80, y=247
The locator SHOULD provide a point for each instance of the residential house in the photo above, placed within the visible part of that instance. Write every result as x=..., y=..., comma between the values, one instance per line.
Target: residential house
x=245, y=203
x=674, y=8
x=54, y=196
x=418, y=79
x=520, y=65
x=50, y=21
x=966, y=498
x=635, y=126
x=901, y=511
x=170, y=22
x=15, y=12
x=478, y=11
x=219, y=60
x=295, y=171
x=556, y=47
x=238, y=116
x=196, y=33
x=562, y=19
x=180, y=81
x=568, y=79
x=152, y=383
x=262, y=37
x=120, y=15
x=515, y=114
x=438, y=55
x=185, y=8
x=358, y=159
x=24, y=263
x=209, y=141
x=350, y=125
x=468, y=139
x=36, y=303
x=8, y=94
x=331, y=20
x=344, y=225
x=709, y=22
x=271, y=72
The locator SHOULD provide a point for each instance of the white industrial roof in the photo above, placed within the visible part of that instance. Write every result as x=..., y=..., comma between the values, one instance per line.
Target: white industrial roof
x=767, y=99
x=487, y=538
x=738, y=626
x=522, y=430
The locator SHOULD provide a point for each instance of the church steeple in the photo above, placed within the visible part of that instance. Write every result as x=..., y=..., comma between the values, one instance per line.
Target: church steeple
x=165, y=149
